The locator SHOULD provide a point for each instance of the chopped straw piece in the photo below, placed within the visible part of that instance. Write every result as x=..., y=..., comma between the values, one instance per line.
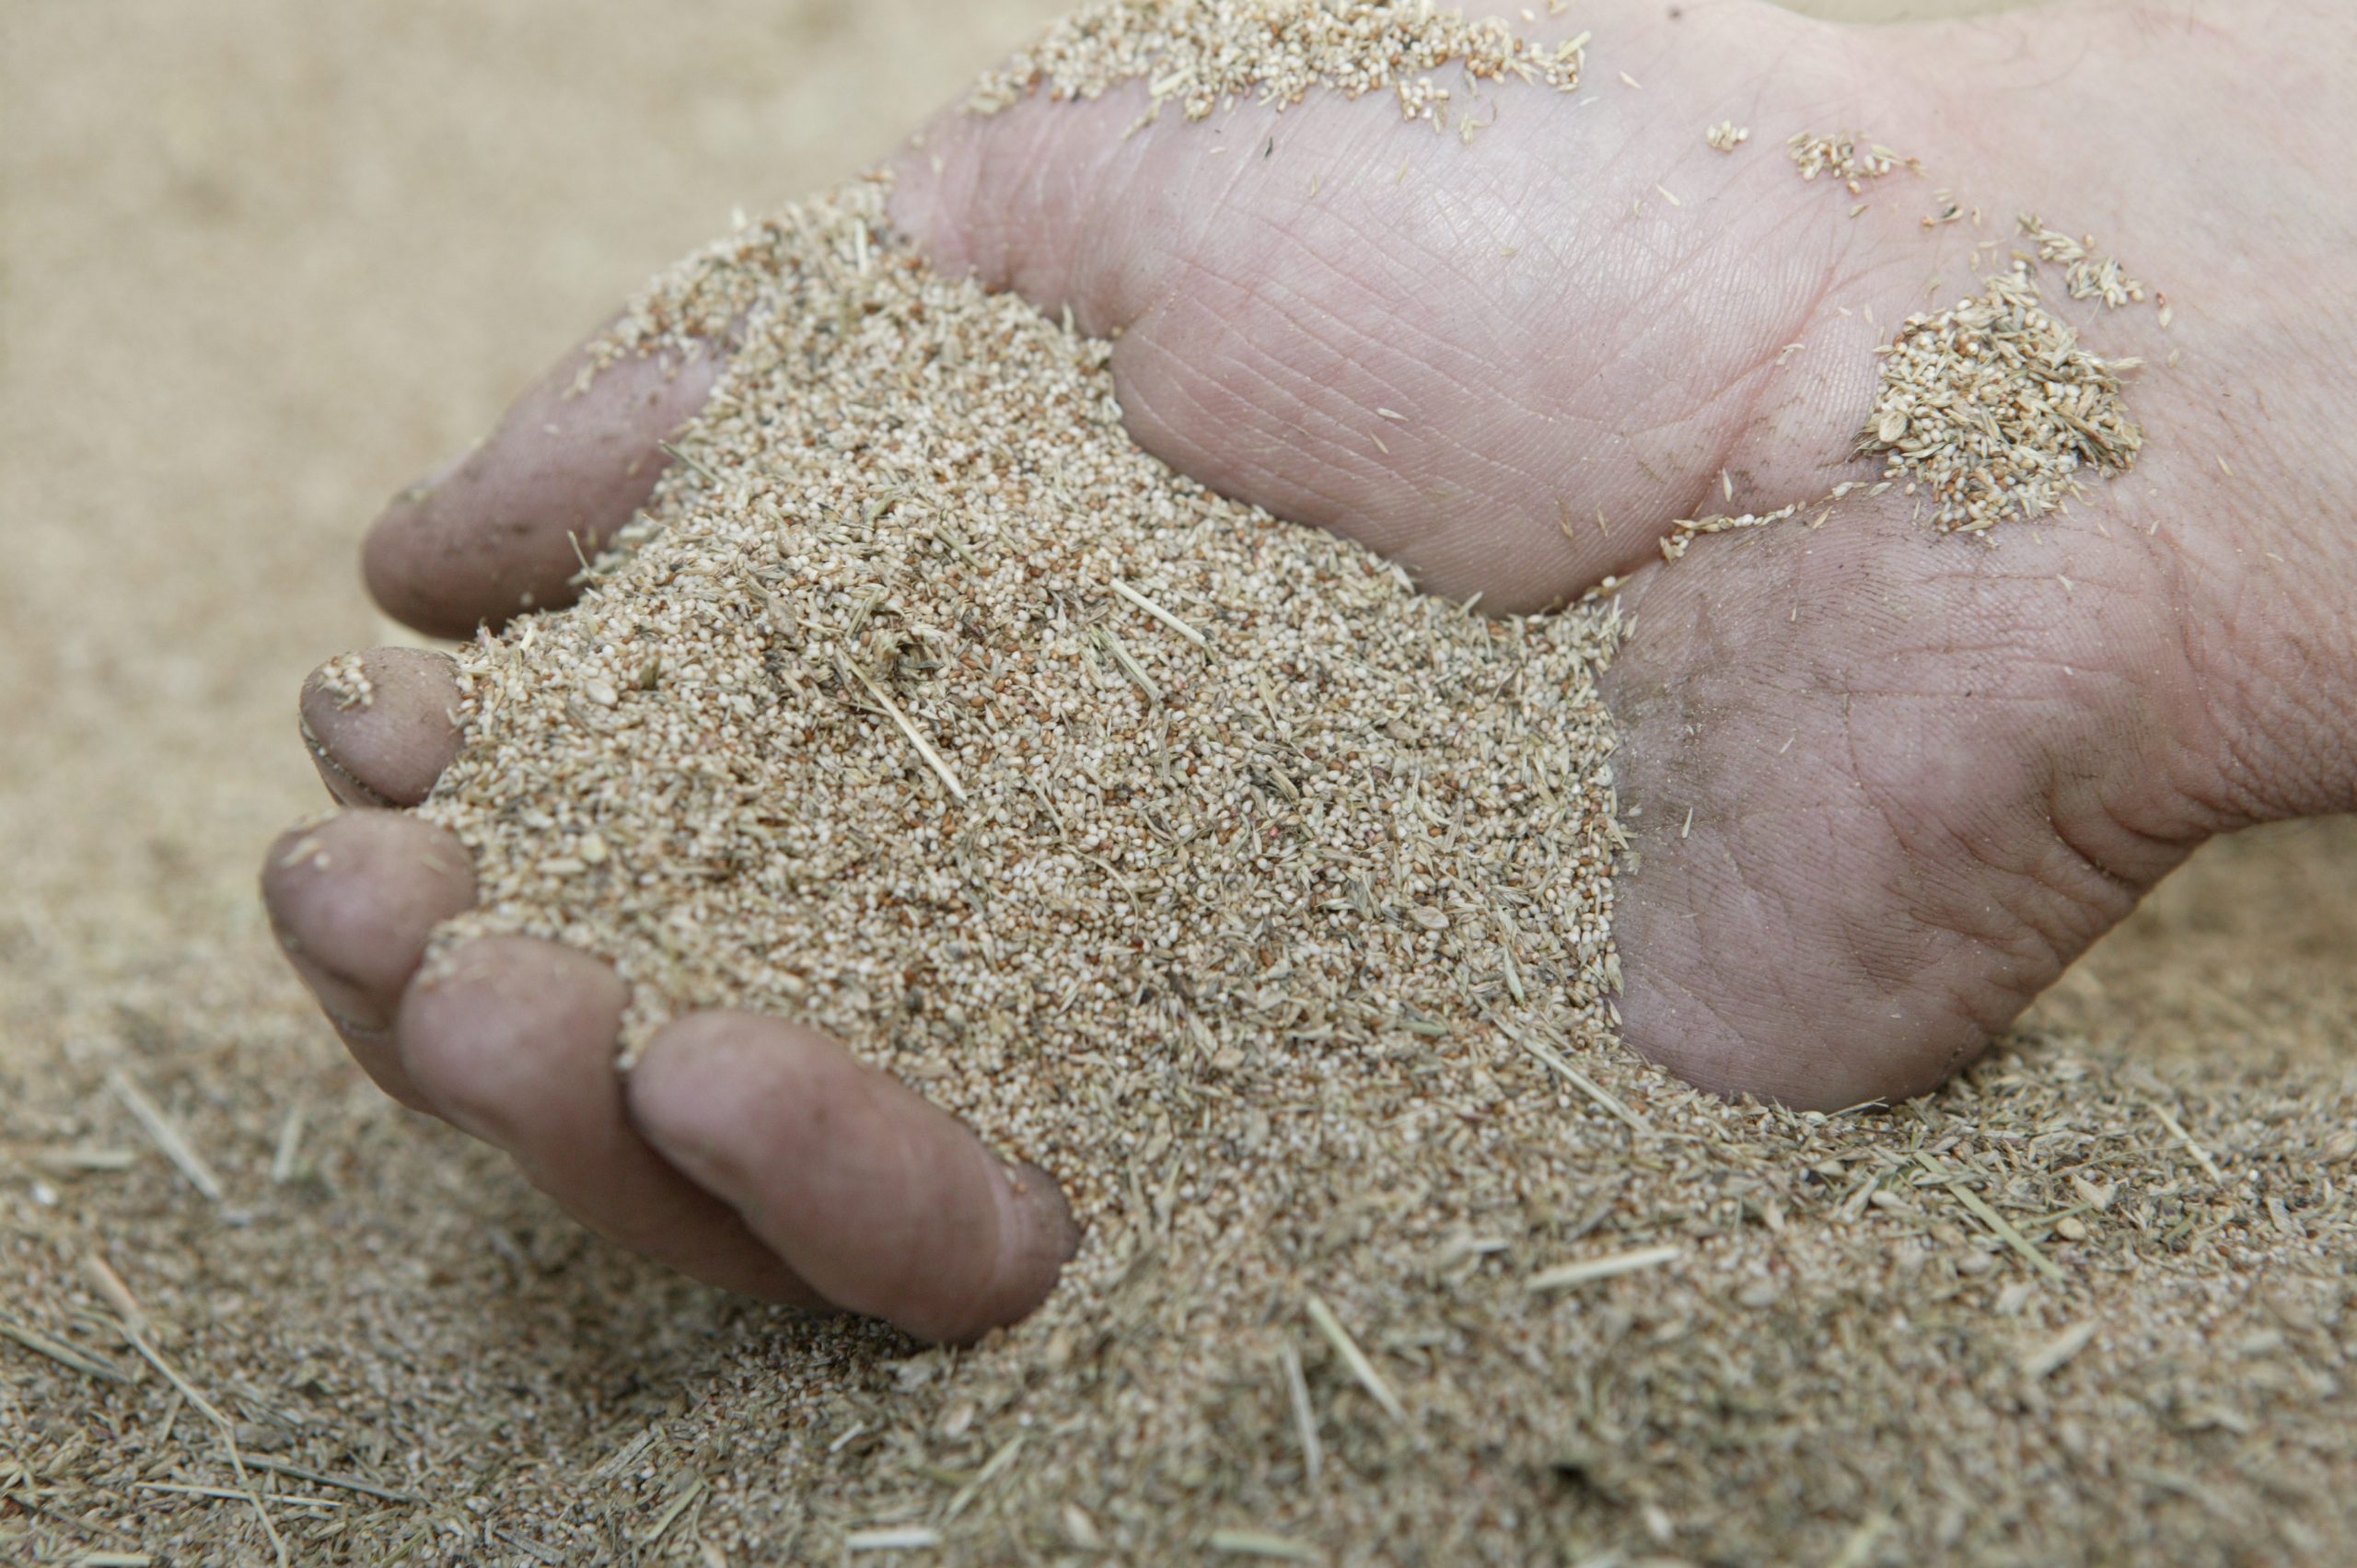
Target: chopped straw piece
x=1356, y=1359
x=1566, y=1275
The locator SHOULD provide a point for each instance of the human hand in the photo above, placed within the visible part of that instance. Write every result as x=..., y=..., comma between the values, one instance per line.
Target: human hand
x=1890, y=782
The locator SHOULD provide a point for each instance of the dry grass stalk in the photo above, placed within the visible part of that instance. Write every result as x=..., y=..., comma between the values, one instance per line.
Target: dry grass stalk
x=1363, y=1370
x=58, y=1351
x=228, y=1431
x=893, y=1537
x=1260, y=1543
x=1564, y=1276
x=166, y=1134
x=2200, y=1155
x=2051, y=1355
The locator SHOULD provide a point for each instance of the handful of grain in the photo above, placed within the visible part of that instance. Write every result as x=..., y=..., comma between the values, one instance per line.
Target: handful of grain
x=931, y=711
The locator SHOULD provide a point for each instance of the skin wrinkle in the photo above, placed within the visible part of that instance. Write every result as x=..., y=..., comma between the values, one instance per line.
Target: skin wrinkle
x=1456, y=454
x=1787, y=984
x=2313, y=714
x=1762, y=382
x=1875, y=951
x=1420, y=345
x=1415, y=343
x=2284, y=710
x=2061, y=909
x=1744, y=442
x=1344, y=454
x=2079, y=884
x=2031, y=875
x=2128, y=889
x=1349, y=347
x=1198, y=391
x=2242, y=768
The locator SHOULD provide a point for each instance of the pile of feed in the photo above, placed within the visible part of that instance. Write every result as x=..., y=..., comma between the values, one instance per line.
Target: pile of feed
x=1125, y=820
x=1188, y=853
x=1192, y=855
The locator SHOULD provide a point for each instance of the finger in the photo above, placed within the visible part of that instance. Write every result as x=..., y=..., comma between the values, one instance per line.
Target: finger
x=886, y=1204
x=505, y=528
x=353, y=899
x=381, y=725
x=513, y=1040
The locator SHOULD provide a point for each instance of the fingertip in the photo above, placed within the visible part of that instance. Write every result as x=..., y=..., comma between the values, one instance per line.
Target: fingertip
x=513, y=1040
x=505, y=530
x=883, y=1201
x=1045, y=1234
x=501, y=1024
x=353, y=897
x=382, y=724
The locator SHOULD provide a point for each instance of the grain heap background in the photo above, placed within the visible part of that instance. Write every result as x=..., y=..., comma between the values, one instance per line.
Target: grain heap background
x=260, y=263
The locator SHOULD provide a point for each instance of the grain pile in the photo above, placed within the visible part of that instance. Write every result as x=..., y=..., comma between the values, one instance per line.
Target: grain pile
x=1189, y=854
x=1266, y=903
x=1995, y=410
x=935, y=712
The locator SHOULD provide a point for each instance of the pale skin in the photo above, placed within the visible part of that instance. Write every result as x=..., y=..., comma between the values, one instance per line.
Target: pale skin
x=1922, y=774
